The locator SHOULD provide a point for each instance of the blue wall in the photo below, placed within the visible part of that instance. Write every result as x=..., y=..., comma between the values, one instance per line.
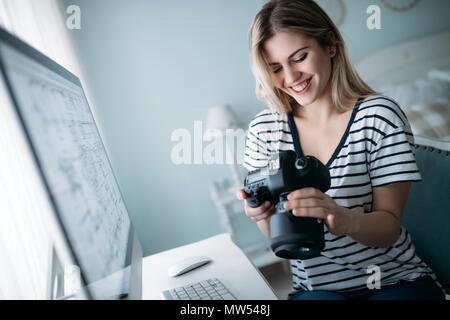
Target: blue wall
x=155, y=66
x=427, y=17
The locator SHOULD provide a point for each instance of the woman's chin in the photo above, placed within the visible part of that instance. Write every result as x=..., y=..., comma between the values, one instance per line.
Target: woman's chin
x=304, y=101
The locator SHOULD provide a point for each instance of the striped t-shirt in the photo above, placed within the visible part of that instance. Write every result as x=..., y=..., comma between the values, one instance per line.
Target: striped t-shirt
x=375, y=150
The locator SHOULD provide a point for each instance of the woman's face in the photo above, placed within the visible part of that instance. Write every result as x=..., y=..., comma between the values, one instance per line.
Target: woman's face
x=299, y=65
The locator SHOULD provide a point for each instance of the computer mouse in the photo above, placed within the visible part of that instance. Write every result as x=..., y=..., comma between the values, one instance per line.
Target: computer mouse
x=187, y=265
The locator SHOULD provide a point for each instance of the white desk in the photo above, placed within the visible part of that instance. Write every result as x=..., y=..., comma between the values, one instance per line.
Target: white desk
x=229, y=264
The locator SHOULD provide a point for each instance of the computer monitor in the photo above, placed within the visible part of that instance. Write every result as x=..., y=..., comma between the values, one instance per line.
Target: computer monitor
x=75, y=170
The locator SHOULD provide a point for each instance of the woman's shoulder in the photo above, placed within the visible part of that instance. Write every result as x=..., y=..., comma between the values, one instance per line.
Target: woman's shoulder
x=267, y=119
x=383, y=108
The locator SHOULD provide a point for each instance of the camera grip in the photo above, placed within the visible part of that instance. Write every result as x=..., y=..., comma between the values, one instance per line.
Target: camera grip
x=256, y=198
x=253, y=202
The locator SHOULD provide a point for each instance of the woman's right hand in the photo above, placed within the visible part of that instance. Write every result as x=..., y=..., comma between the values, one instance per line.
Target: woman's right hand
x=263, y=212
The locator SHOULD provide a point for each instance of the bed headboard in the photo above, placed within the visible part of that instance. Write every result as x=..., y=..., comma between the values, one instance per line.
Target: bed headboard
x=406, y=61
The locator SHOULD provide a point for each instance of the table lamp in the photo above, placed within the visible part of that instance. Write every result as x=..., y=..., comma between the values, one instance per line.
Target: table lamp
x=219, y=121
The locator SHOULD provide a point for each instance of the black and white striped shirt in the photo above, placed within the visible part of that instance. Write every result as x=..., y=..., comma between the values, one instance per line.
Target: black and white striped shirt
x=375, y=150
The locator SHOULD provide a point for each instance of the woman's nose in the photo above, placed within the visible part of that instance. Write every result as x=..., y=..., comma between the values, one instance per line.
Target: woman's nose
x=291, y=76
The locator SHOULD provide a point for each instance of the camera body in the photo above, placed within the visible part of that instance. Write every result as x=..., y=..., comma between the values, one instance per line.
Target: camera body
x=291, y=237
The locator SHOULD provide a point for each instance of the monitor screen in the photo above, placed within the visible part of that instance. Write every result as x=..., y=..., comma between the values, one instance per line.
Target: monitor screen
x=74, y=165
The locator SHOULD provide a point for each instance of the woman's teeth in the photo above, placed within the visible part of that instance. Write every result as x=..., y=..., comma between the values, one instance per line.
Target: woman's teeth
x=301, y=86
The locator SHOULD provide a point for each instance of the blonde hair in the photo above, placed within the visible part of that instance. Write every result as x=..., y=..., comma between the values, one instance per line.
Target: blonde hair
x=307, y=18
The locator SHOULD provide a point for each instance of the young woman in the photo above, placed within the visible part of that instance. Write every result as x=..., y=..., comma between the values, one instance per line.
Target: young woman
x=319, y=106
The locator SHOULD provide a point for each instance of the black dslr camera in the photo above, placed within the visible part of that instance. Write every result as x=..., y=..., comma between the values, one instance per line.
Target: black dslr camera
x=291, y=237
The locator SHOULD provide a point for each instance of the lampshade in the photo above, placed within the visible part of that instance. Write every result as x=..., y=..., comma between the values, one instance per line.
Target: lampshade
x=220, y=118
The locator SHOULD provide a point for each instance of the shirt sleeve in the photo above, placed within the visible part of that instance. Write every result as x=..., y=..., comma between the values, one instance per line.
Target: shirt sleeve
x=392, y=160
x=256, y=154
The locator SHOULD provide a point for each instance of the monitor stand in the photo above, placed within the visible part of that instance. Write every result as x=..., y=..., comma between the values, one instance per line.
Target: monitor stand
x=55, y=280
x=63, y=282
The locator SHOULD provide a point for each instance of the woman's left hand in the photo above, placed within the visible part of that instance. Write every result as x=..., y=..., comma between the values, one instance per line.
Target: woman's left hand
x=312, y=203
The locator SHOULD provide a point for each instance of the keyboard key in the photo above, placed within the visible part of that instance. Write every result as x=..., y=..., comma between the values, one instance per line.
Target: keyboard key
x=228, y=296
x=205, y=290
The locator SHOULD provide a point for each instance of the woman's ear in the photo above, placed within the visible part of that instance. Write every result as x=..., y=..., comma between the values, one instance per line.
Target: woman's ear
x=332, y=51
x=331, y=40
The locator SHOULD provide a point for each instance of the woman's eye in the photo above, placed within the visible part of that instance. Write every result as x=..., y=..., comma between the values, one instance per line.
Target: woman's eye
x=302, y=58
x=297, y=61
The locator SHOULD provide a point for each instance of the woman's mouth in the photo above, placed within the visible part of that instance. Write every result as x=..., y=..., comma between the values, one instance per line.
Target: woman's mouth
x=302, y=87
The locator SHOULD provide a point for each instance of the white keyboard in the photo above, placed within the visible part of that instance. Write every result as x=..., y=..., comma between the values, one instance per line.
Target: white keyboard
x=210, y=289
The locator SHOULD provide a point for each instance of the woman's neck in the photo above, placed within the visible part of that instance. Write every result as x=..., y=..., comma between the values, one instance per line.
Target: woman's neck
x=321, y=111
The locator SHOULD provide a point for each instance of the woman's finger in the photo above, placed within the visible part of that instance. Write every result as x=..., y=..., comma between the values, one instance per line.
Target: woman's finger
x=303, y=203
x=317, y=212
x=264, y=215
x=258, y=210
x=261, y=210
x=241, y=195
x=305, y=193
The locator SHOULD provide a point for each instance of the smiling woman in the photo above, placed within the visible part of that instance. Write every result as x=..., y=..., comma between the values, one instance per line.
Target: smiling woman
x=318, y=34
x=320, y=107
x=305, y=68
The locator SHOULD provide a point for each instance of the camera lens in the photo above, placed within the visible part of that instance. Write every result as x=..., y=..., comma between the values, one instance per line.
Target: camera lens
x=301, y=163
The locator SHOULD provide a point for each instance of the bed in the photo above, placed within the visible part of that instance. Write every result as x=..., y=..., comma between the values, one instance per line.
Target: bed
x=416, y=74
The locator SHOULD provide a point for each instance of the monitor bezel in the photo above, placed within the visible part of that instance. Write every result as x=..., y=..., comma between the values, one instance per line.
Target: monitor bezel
x=134, y=249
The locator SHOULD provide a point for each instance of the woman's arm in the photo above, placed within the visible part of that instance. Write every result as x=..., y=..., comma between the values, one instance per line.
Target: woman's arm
x=379, y=228
x=261, y=215
x=264, y=227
